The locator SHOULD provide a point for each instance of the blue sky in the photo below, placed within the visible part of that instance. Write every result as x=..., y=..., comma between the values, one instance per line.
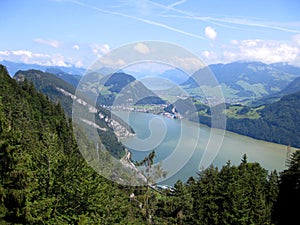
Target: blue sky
x=77, y=32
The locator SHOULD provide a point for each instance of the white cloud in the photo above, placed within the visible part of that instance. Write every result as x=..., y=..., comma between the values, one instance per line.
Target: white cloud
x=234, y=42
x=78, y=64
x=76, y=47
x=188, y=64
x=52, y=43
x=210, y=32
x=5, y=53
x=141, y=48
x=206, y=54
x=100, y=50
x=29, y=57
x=209, y=57
x=22, y=53
x=267, y=51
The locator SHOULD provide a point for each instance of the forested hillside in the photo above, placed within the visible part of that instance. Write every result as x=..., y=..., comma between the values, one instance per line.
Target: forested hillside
x=277, y=122
x=45, y=180
x=60, y=91
x=48, y=84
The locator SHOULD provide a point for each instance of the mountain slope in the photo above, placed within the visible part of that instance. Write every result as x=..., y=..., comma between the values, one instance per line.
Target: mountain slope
x=285, y=67
x=49, y=85
x=43, y=177
x=277, y=122
x=60, y=91
x=246, y=79
x=69, y=78
x=291, y=88
x=121, y=88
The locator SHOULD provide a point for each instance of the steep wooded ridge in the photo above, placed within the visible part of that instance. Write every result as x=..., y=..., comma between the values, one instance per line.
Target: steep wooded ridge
x=276, y=122
x=60, y=91
x=45, y=180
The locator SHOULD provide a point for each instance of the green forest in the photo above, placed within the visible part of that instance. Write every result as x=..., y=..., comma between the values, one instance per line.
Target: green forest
x=276, y=122
x=45, y=180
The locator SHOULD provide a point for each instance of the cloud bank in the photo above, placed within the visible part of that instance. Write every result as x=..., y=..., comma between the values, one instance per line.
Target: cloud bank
x=267, y=51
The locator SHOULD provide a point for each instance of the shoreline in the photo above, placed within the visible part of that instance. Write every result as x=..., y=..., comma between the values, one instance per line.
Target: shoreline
x=126, y=161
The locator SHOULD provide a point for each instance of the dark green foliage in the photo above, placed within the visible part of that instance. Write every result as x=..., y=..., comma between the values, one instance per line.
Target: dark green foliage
x=148, y=201
x=244, y=110
x=287, y=210
x=54, y=88
x=279, y=122
x=49, y=85
x=44, y=179
x=234, y=195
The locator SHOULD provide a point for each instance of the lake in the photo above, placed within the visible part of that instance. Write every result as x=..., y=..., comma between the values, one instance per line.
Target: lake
x=184, y=147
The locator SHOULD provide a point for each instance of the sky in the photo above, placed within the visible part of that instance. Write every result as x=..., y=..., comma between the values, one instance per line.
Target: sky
x=78, y=32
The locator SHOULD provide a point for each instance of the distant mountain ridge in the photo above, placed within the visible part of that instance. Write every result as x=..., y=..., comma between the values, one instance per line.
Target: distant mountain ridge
x=121, y=89
x=72, y=79
x=240, y=81
x=292, y=87
x=247, y=79
x=13, y=67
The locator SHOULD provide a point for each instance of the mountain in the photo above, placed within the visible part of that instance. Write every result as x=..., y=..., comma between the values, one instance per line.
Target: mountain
x=285, y=67
x=50, y=85
x=60, y=91
x=245, y=80
x=43, y=177
x=123, y=89
x=13, y=67
x=72, y=79
x=276, y=122
x=175, y=75
x=45, y=180
x=292, y=87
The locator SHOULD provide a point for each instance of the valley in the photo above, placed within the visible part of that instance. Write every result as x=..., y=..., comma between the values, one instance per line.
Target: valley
x=149, y=112
x=130, y=130
x=264, y=121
